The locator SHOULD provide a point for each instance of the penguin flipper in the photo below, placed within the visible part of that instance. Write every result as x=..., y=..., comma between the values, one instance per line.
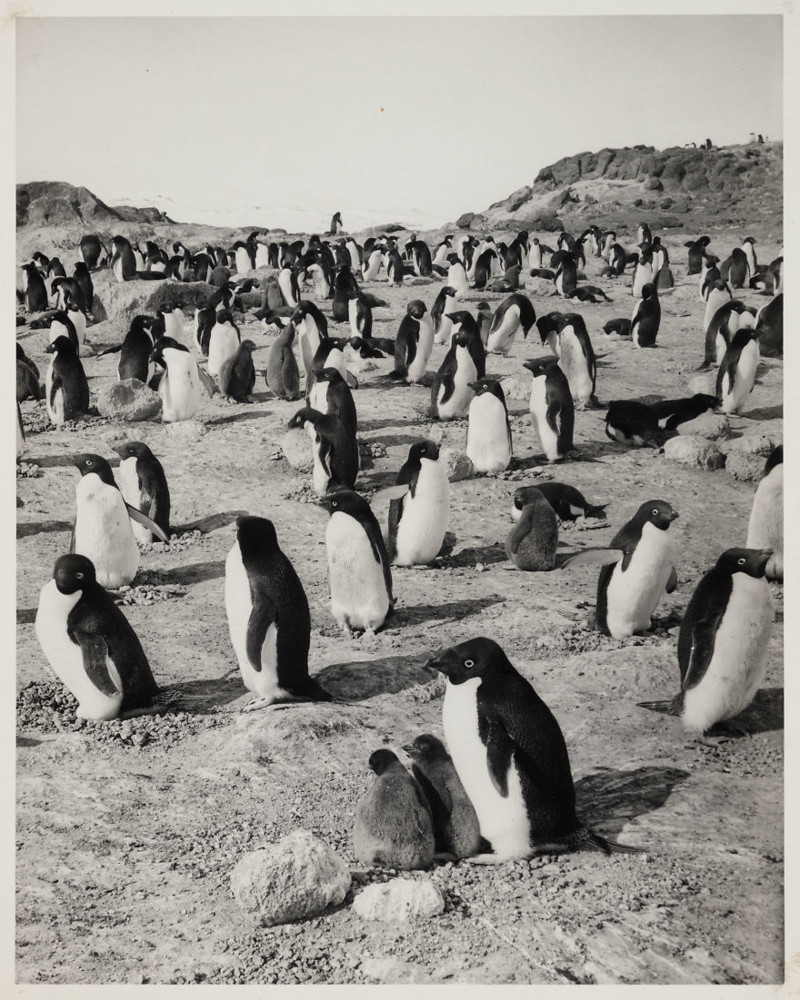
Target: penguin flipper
x=672, y=582
x=704, y=635
x=54, y=387
x=261, y=617
x=552, y=414
x=95, y=661
x=499, y=749
x=136, y=515
x=594, y=557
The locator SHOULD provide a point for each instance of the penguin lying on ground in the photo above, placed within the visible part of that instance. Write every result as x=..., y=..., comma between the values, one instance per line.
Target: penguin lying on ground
x=644, y=424
x=510, y=755
x=90, y=644
x=564, y=500
x=723, y=641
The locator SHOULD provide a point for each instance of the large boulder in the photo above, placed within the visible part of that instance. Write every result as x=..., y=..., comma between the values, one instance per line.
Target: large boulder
x=697, y=451
x=399, y=900
x=457, y=465
x=297, y=878
x=712, y=426
x=129, y=400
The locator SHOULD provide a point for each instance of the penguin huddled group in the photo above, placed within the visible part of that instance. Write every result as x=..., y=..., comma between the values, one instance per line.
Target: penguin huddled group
x=499, y=787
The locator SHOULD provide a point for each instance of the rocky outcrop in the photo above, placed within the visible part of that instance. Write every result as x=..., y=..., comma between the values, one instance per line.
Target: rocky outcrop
x=56, y=203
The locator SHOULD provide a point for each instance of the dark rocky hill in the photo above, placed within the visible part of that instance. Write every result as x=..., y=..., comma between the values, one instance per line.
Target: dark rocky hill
x=729, y=184
x=56, y=203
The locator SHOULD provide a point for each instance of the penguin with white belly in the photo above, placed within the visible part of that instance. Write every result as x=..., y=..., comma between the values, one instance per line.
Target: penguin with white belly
x=737, y=371
x=450, y=392
x=335, y=450
x=268, y=618
x=61, y=325
x=457, y=277
x=143, y=485
x=489, y=446
x=418, y=519
x=723, y=641
x=577, y=358
x=180, y=387
x=413, y=343
x=330, y=393
x=551, y=407
x=765, y=528
x=290, y=290
x=90, y=644
x=637, y=568
x=359, y=573
x=515, y=313
x=223, y=342
x=66, y=387
x=510, y=755
x=312, y=327
x=442, y=324
x=103, y=531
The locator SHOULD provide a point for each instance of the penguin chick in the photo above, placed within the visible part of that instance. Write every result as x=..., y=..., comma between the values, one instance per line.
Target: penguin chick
x=531, y=543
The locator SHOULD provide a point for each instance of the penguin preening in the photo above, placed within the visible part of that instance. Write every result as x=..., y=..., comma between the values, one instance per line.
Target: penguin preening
x=723, y=641
x=510, y=755
x=90, y=644
x=268, y=618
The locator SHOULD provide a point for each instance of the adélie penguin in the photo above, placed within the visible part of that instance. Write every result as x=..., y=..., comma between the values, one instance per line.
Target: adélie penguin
x=765, y=528
x=551, y=407
x=463, y=364
x=180, y=387
x=636, y=569
x=334, y=447
x=143, y=485
x=418, y=518
x=565, y=500
x=736, y=375
x=223, y=343
x=268, y=618
x=510, y=755
x=237, y=375
x=359, y=573
x=90, y=644
x=66, y=386
x=531, y=544
x=102, y=530
x=723, y=641
x=489, y=446
x=515, y=313
x=393, y=822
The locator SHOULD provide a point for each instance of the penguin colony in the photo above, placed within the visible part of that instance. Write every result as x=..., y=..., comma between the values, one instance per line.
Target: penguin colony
x=498, y=786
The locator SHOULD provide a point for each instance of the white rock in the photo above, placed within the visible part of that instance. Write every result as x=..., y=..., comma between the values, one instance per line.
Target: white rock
x=296, y=448
x=298, y=877
x=399, y=900
x=703, y=383
x=752, y=444
x=457, y=465
x=129, y=400
x=713, y=426
x=690, y=450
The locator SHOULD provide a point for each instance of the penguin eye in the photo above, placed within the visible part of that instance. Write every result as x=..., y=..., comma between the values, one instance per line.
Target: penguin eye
x=335, y=503
x=88, y=461
x=742, y=562
x=655, y=511
x=469, y=663
x=79, y=576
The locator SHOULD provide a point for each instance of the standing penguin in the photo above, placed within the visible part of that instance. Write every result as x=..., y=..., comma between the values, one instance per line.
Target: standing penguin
x=455, y=824
x=360, y=316
x=283, y=375
x=93, y=252
x=359, y=573
x=450, y=391
x=515, y=313
x=335, y=450
x=531, y=543
x=566, y=279
x=510, y=755
x=123, y=260
x=442, y=324
x=576, y=358
x=102, y=530
x=268, y=617
x=223, y=342
x=180, y=387
x=393, y=821
x=61, y=325
x=637, y=568
x=90, y=644
x=237, y=376
x=697, y=251
x=739, y=273
x=418, y=519
x=413, y=344
x=287, y=281
x=643, y=273
x=737, y=371
x=457, y=277
x=135, y=351
x=489, y=445
x=143, y=485
x=330, y=393
x=723, y=641
x=769, y=328
x=551, y=406
x=66, y=388
x=312, y=327
x=336, y=224
x=33, y=288
x=646, y=318
x=765, y=528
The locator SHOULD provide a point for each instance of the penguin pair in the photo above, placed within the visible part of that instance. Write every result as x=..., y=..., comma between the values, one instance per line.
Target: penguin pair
x=268, y=618
x=510, y=755
x=567, y=337
x=636, y=569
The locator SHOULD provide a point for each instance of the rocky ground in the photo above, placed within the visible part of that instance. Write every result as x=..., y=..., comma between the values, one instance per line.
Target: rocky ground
x=127, y=831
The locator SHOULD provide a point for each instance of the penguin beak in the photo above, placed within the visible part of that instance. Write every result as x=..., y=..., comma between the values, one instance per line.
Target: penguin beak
x=673, y=515
x=410, y=750
x=474, y=386
x=764, y=557
x=440, y=663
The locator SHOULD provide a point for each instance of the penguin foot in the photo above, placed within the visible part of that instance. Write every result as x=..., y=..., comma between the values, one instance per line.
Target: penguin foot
x=488, y=859
x=257, y=703
x=445, y=857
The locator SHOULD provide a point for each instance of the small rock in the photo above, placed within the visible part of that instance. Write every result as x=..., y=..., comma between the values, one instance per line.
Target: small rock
x=186, y=430
x=296, y=448
x=457, y=465
x=298, y=877
x=399, y=900
x=690, y=450
x=741, y=465
x=706, y=383
x=129, y=400
x=752, y=444
x=712, y=426
x=517, y=387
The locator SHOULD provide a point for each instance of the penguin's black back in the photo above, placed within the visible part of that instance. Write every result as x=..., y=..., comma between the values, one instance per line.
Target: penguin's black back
x=68, y=374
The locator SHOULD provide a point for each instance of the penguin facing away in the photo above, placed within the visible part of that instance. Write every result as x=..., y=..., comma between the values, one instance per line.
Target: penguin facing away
x=489, y=445
x=359, y=574
x=418, y=519
x=723, y=641
x=90, y=644
x=736, y=375
x=646, y=318
x=393, y=822
x=143, y=485
x=765, y=527
x=510, y=755
x=268, y=618
x=531, y=543
x=456, y=830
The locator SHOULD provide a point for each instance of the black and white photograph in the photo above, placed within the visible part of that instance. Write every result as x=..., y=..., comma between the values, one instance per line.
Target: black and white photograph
x=399, y=498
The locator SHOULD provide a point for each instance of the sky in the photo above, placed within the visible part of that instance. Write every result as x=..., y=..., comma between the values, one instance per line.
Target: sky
x=411, y=119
